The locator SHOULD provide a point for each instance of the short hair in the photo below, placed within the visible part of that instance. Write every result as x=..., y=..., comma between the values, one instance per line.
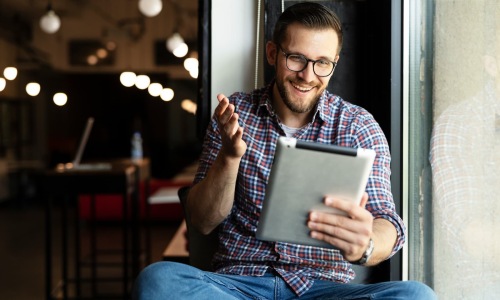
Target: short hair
x=311, y=15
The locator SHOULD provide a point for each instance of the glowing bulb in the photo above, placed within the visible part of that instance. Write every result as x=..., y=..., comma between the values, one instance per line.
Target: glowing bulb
x=50, y=22
x=102, y=53
x=181, y=50
x=155, y=89
x=190, y=63
x=33, y=89
x=127, y=78
x=3, y=83
x=150, y=8
x=142, y=82
x=10, y=73
x=110, y=45
x=167, y=94
x=92, y=60
x=194, y=73
x=60, y=99
x=174, y=41
x=189, y=106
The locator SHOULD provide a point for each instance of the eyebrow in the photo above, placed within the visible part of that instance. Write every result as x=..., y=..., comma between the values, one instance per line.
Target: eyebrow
x=298, y=53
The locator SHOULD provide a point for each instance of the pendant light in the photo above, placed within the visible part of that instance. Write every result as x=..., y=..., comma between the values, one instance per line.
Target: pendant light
x=150, y=8
x=50, y=22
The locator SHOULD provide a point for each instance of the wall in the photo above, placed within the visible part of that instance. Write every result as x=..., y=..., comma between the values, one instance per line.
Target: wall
x=233, y=47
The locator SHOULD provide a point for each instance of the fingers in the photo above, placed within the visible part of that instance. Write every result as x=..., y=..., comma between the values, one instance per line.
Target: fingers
x=224, y=111
x=231, y=131
x=337, y=226
x=351, y=209
x=350, y=232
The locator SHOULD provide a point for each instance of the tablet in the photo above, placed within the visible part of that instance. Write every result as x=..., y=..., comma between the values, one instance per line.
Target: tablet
x=301, y=175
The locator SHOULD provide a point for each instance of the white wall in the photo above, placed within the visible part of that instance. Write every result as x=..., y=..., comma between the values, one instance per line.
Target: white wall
x=234, y=25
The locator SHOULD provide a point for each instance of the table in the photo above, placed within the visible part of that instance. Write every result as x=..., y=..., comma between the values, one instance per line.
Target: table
x=164, y=195
x=122, y=178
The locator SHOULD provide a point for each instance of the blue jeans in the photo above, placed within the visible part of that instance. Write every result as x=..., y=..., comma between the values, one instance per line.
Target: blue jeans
x=170, y=280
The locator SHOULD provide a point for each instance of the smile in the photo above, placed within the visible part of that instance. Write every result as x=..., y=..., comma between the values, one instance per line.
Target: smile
x=302, y=89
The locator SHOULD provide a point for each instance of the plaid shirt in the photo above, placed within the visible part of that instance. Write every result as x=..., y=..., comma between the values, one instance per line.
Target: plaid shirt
x=335, y=122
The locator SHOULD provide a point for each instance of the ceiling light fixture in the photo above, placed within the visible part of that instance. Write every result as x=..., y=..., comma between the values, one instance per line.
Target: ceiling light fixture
x=3, y=83
x=181, y=50
x=155, y=89
x=60, y=99
x=50, y=22
x=167, y=94
x=10, y=73
x=174, y=41
x=150, y=8
x=142, y=82
x=127, y=78
x=33, y=89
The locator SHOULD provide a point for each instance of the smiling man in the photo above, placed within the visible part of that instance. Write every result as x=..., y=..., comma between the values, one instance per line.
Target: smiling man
x=230, y=184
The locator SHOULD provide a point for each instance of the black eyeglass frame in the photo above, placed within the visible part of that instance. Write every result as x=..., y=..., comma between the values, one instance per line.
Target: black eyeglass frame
x=307, y=60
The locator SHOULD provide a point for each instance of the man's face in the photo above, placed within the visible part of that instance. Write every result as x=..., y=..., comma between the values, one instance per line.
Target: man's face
x=300, y=91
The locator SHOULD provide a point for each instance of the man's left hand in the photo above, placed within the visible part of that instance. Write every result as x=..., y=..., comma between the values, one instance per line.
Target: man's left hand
x=349, y=233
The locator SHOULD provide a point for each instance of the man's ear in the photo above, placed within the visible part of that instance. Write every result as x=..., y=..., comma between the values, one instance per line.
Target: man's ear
x=490, y=65
x=271, y=51
x=337, y=59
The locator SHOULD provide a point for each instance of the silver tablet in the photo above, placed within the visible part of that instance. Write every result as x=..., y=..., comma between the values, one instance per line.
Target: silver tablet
x=303, y=173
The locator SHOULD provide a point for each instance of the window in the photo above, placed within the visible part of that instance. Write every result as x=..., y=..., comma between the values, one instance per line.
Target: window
x=454, y=147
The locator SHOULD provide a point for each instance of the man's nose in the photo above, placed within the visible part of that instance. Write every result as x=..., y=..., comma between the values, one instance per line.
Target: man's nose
x=308, y=73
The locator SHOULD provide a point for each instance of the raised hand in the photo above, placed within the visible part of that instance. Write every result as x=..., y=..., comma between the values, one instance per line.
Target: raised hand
x=233, y=145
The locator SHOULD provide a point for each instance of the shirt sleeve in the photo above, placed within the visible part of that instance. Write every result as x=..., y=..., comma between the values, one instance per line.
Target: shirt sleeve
x=368, y=134
x=211, y=146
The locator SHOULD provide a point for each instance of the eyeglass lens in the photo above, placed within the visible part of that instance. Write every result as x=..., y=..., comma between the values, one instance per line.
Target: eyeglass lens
x=297, y=63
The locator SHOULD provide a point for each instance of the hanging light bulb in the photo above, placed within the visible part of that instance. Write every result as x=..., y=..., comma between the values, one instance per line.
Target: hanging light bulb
x=142, y=82
x=3, y=83
x=190, y=63
x=155, y=89
x=150, y=8
x=174, y=41
x=60, y=99
x=127, y=78
x=10, y=73
x=194, y=73
x=167, y=94
x=181, y=50
x=50, y=22
x=33, y=89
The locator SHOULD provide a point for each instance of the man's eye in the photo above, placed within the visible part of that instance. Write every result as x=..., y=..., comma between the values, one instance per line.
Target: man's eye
x=323, y=63
x=296, y=58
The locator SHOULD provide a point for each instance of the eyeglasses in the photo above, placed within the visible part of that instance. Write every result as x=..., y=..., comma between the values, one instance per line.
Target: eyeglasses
x=298, y=63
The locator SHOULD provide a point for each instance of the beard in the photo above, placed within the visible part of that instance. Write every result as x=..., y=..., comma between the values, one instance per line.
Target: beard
x=296, y=106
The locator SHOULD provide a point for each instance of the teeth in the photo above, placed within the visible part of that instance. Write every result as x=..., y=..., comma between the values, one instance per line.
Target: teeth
x=302, y=89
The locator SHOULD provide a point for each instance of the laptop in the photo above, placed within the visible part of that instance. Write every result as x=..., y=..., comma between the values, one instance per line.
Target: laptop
x=303, y=173
x=76, y=163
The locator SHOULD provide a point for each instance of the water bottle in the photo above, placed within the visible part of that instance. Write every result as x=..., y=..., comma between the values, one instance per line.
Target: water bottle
x=136, y=152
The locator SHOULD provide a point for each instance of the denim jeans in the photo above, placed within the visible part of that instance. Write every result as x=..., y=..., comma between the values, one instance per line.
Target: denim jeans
x=170, y=280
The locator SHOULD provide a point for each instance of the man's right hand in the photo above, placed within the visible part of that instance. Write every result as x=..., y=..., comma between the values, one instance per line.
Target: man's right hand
x=210, y=200
x=233, y=145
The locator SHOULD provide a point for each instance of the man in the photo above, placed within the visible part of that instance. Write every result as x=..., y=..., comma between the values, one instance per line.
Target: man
x=234, y=170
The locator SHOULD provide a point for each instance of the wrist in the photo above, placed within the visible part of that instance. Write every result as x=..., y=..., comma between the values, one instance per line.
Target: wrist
x=366, y=255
